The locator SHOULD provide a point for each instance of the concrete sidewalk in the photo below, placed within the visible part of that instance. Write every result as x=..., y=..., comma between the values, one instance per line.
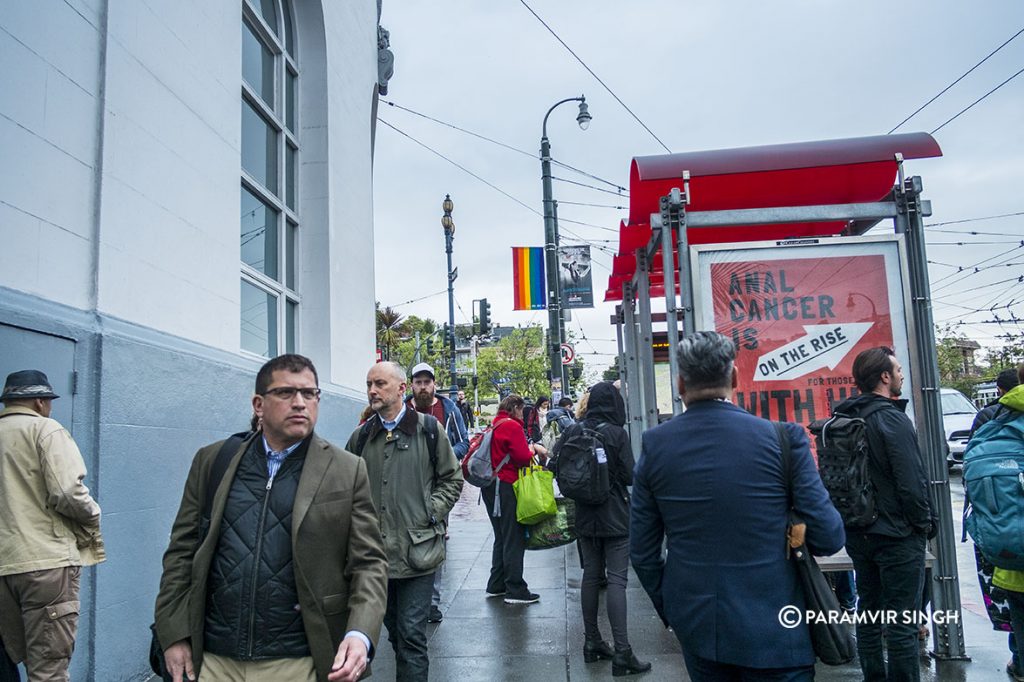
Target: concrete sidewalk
x=485, y=639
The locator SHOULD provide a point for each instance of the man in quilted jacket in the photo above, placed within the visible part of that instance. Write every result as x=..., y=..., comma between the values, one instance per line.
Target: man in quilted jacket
x=283, y=575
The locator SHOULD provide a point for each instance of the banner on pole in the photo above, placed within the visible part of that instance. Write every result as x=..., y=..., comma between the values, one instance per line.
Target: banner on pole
x=800, y=315
x=528, y=278
x=574, y=272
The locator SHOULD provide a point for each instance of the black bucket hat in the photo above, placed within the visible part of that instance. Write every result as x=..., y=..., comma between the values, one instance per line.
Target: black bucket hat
x=27, y=384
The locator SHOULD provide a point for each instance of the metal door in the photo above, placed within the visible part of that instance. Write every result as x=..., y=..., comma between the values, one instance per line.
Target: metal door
x=54, y=355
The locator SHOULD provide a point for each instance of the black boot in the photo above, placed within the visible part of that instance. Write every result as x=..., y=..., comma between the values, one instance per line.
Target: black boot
x=625, y=663
x=596, y=650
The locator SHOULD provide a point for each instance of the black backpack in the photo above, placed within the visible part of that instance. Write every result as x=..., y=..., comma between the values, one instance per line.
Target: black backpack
x=582, y=466
x=843, y=449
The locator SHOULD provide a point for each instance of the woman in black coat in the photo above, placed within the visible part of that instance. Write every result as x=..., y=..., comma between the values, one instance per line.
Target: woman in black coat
x=603, y=531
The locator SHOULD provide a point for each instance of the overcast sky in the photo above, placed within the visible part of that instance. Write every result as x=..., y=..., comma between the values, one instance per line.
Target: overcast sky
x=700, y=75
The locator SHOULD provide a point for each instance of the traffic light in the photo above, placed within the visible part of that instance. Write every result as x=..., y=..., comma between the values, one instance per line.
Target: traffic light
x=430, y=346
x=485, y=317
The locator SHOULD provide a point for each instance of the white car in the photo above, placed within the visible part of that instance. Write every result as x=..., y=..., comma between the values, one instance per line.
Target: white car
x=957, y=416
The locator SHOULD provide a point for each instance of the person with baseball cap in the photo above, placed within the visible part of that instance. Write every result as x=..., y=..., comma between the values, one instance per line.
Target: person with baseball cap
x=49, y=529
x=426, y=401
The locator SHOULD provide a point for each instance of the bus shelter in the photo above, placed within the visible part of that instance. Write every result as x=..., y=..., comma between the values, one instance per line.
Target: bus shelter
x=769, y=244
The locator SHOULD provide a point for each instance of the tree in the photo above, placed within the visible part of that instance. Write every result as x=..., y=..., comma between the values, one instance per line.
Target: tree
x=952, y=370
x=516, y=364
x=389, y=330
x=613, y=372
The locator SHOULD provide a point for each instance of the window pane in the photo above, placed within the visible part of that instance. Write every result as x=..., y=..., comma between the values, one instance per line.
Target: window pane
x=289, y=327
x=259, y=148
x=289, y=109
x=289, y=36
x=259, y=321
x=290, y=176
x=269, y=12
x=291, y=257
x=259, y=235
x=257, y=65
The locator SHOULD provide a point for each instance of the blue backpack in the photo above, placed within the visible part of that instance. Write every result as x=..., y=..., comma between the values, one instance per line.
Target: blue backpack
x=994, y=483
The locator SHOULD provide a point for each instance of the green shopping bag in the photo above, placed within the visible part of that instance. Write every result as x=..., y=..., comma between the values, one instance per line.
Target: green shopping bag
x=559, y=530
x=535, y=495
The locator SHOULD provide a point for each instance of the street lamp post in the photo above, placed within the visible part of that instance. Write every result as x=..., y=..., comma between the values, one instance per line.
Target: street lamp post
x=554, y=287
x=449, y=236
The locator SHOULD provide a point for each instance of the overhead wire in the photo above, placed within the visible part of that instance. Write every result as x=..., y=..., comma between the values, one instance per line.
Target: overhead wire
x=460, y=167
x=583, y=184
x=974, y=220
x=502, y=144
x=596, y=77
x=977, y=101
x=970, y=268
x=943, y=91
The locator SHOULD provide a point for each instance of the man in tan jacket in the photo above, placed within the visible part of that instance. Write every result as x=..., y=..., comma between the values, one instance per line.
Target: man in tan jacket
x=49, y=529
x=282, y=574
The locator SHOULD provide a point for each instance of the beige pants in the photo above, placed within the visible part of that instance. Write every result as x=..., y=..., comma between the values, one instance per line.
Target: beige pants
x=39, y=620
x=221, y=669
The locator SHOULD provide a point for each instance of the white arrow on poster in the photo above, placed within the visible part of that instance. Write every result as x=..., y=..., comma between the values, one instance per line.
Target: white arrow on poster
x=824, y=345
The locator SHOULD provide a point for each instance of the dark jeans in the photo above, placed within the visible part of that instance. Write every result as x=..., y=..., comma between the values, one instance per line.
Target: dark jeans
x=509, y=542
x=406, y=621
x=846, y=590
x=705, y=670
x=1016, y=602
x=600, y=554
x=890, y=577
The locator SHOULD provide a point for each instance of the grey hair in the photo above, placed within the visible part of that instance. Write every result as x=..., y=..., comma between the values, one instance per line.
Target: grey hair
x=706, y=360
x=396, y=370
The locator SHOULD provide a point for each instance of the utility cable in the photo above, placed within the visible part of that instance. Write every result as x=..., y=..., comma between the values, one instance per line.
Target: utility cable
x=596, y=77
x=421, y=298
x=974, y=220
x=972, y=268
x=583, y=184
x=969, y=106
x=461, y=167
x=898, y=125
x=502, y=144
x=583, y=203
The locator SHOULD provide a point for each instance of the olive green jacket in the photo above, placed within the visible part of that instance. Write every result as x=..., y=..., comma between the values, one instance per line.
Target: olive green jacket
x=412, y=499
x=48, y=519
x=339, y=561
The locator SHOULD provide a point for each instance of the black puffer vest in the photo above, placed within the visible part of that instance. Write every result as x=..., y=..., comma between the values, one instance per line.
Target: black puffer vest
x=252, y=607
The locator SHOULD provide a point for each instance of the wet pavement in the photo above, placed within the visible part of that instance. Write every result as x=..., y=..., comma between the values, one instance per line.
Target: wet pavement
x=485, y=639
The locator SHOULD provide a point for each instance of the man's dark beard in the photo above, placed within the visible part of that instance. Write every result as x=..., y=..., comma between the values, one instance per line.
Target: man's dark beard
x=423, y=400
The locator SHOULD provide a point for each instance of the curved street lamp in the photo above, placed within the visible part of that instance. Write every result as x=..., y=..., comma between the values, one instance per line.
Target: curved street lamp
x=556, y=321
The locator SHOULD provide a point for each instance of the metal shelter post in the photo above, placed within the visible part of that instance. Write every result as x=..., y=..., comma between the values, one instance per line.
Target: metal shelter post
x=949, y=636
x=633, y=381
x=645, y=351
x=668, y=219
x=683, y=247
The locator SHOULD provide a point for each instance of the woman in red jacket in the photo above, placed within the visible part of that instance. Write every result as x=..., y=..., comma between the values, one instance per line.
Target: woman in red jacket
x=508, y=440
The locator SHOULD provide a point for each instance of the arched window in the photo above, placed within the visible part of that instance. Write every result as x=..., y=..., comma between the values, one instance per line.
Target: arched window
x=269, y=229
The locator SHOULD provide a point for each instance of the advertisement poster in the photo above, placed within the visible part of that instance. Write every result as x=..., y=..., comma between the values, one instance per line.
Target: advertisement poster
x=574, y=269
x=799, y=315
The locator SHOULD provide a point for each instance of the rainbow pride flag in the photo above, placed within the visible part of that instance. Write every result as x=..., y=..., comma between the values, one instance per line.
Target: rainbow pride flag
x=528, y=278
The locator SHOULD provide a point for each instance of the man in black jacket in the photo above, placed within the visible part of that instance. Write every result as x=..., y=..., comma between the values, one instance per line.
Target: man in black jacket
x=1006, y=380
x=888, y=555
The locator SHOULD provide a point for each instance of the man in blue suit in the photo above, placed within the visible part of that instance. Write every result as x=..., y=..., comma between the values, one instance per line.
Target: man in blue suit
x=712, y=481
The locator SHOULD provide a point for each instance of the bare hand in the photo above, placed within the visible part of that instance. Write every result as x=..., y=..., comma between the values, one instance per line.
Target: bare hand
x=178, y=659
x=350, y=662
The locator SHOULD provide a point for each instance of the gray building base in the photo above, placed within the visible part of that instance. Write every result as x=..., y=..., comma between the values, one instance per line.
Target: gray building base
x=139, y=403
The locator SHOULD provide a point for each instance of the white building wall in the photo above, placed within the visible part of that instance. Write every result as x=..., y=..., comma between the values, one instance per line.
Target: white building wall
x=49, y=96
x=167, y=131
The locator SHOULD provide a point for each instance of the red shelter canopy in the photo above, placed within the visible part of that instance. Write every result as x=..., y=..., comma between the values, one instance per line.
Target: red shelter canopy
x=847, y=171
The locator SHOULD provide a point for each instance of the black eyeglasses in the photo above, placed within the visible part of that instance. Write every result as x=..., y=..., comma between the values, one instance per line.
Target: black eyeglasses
x=288, y=393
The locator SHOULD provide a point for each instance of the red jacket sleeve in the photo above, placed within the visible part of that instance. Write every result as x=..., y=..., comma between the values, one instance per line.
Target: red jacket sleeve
x=509, y=439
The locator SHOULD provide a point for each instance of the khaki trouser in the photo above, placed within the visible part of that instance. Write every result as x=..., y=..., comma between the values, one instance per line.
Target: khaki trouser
x=222, y=669
x=39, y=619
